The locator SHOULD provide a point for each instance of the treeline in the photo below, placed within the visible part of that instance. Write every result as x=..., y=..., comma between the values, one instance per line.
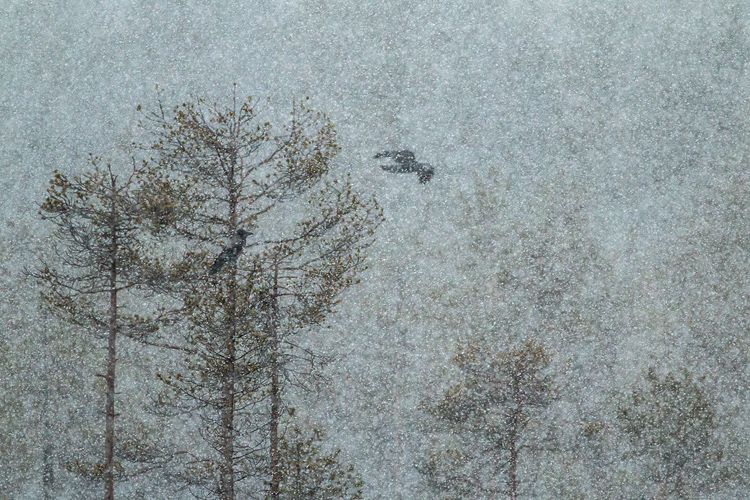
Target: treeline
x=180, y=368
x=133, y=248
x=492, y=430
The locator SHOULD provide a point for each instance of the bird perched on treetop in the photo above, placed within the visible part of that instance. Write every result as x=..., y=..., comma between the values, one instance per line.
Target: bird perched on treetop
x=406, y=163
x=231, y=252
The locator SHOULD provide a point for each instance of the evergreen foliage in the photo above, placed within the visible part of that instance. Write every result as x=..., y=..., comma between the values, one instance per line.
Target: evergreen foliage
x=99, y=264
x=222, y=170
x=490, y=412
x=672, y=426
x=308, y=473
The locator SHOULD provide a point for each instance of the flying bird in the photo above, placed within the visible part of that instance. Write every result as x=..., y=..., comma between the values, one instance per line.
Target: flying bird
x=231, y=252
x=406, y=163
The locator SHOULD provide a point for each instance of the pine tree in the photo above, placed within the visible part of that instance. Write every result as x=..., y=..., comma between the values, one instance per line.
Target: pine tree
x=489, y=412
x=224, y=172
x=98, y=243
x=672, y=426
x=307, y=473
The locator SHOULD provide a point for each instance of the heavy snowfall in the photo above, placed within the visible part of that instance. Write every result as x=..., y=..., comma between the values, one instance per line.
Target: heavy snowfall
x=375, y=249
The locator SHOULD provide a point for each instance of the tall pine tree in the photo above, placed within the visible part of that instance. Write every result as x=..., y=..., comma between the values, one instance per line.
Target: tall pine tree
x=99, y=265
x=223, y=173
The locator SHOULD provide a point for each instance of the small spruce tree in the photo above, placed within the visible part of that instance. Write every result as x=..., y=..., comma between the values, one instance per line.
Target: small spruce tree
x=308, y=473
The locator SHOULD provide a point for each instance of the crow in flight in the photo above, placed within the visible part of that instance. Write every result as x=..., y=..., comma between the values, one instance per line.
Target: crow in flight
x=232, y=251
x=406, y=163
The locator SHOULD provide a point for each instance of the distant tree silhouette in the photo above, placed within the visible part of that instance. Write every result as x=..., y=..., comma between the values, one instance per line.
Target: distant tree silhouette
x=672, y=425
x=489, y=412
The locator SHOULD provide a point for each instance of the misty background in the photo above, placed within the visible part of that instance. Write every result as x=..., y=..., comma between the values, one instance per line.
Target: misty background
x=591, y=191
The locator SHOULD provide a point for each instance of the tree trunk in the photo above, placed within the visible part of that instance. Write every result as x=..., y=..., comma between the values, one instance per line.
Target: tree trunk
x=226, y=487
x=513, y=441
x=298, y=469
x=109, y=431
x=512, y=466
x=275, y=400
x=48, y=469
x=226, y=474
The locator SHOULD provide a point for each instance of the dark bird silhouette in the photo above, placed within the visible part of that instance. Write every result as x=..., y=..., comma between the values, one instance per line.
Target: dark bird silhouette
x=406, y=163
x=231, y=252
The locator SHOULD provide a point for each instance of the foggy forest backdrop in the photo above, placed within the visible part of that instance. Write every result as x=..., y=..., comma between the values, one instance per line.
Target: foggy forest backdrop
x=588, y=219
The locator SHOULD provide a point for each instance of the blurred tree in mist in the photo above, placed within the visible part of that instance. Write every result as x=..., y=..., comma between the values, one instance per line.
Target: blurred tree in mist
x=674, y=429
x=491, y=412
x=308, y=473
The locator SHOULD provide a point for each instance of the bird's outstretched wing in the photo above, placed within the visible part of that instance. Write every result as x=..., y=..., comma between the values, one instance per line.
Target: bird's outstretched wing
x=397, y=169
x=398, y=156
